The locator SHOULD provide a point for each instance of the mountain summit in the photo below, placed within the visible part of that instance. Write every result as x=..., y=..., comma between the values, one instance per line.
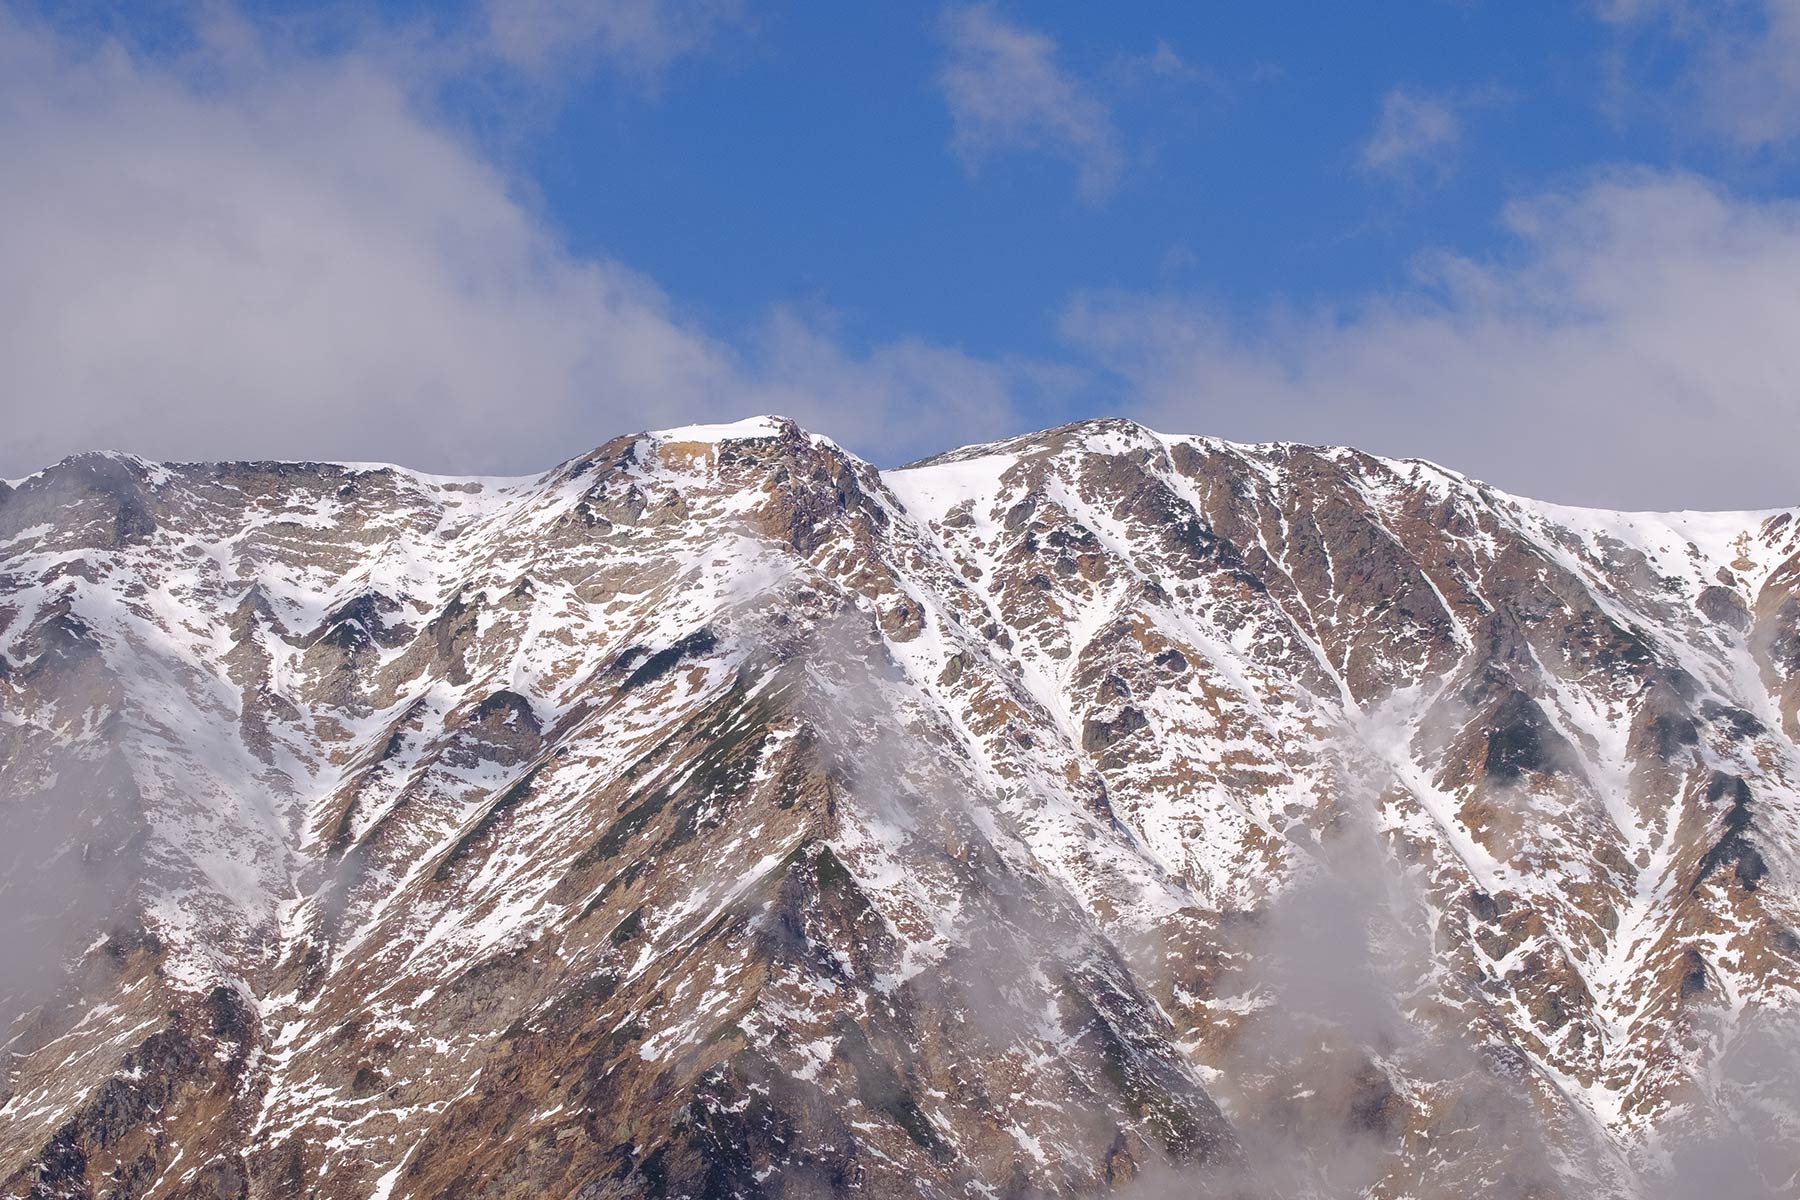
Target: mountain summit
x=715, y=815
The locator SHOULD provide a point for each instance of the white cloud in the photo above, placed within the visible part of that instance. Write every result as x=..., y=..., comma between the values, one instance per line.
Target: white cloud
x=264, y=254
x=1411, y=128
x=1638, y=350
x=641, y=36
x=1006, y=92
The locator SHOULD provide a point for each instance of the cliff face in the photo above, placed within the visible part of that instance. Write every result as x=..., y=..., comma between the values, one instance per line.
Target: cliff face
x=715, y=815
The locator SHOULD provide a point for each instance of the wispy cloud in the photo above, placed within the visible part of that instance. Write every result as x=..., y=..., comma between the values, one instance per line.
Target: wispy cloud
x=1007, y=92
x=1163, y=67
x=1413, y=129
x=641, y=37
x=1165, y=62
x=1743, y=77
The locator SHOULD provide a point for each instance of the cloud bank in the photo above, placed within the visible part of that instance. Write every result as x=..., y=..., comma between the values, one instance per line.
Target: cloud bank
x=1636, y=350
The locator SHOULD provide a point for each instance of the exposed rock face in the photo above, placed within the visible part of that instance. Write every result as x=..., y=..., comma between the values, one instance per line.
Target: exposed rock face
x=717, y=816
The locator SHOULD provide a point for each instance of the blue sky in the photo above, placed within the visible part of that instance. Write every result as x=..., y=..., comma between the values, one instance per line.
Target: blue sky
x=1550, y=245
x=808, y=159
x=811, y=163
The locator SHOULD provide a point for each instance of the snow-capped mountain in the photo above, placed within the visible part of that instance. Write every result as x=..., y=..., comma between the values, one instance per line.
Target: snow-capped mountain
x=715, y=815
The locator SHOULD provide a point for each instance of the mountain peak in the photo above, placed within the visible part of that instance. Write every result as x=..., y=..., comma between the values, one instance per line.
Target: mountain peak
x=750, y=428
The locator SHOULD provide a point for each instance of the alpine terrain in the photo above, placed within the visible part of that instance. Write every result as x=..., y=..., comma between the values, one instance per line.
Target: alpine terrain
x=715, y=815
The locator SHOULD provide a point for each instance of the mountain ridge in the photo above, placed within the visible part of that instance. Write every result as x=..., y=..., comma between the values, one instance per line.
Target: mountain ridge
x=759, y=425
x=1057, y=733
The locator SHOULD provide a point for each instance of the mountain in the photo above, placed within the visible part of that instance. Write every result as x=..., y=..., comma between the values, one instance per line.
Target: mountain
x=715, y=815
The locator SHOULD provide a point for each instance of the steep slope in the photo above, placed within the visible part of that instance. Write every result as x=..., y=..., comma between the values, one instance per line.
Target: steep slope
x=716, y=815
